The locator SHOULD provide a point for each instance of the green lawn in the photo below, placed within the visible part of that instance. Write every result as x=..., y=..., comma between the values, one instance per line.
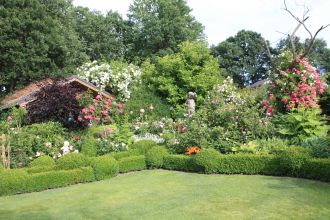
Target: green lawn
x=159, y=194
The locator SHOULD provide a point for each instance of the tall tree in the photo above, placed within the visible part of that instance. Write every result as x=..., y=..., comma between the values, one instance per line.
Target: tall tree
x=102, y=35
x=243, y=57
x=37, y=40
x=159, y=26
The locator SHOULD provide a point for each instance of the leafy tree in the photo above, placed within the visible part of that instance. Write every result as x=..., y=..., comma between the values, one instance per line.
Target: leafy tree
x=158, y=26
x=243, y=57
x=102, y=35
x=36, y=40
x=192, y=68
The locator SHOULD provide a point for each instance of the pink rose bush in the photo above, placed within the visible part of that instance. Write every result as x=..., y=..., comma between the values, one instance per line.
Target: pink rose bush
x=100, y=111
x=297, y=84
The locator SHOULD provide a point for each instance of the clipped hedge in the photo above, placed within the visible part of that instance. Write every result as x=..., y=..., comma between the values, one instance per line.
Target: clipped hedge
x=105, y=167
x=318, y=169
x=122, y=154
x=19, y=181
x=132, y=163
x=142, y=147
x=39, y=169
x=155, y=156
x=179, y=162
x=72, y=161
x=207, y=160
x=42, y=161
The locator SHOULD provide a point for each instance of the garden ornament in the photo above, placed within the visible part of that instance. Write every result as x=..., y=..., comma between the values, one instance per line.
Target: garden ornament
x=190, y=103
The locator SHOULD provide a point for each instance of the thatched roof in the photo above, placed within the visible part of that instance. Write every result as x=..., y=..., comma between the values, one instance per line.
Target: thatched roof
x=27, y=94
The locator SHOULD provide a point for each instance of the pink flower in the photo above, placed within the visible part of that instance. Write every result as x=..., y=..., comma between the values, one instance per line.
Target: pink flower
x=84, y=111
x=98, y=97
x=284, y=100
x=264, y=102
x=142, y=111
x=97, y=119
x=80, y=119
x=271, y=96
x=288, y=107
x=91, y=108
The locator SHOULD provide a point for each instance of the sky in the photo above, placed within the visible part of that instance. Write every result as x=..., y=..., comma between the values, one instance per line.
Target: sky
x=224, y=18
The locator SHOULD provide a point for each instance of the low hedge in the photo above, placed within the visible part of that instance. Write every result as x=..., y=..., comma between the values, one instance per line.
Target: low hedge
x=122, y=154
x=155, y=156
x=318, y=169
x=132, y=163
x=142, y=147
x=72, y=161
x=42, y=161
x=19, y=181
x=105, y=167
x=39, y=169
x=179, y=162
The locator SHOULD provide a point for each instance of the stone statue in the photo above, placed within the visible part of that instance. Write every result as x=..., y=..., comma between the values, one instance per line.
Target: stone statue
x=190, y=103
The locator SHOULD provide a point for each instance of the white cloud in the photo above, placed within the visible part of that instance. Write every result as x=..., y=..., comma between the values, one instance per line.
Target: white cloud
x=224, y=18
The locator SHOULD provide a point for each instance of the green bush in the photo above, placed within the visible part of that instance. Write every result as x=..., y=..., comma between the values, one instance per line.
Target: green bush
x=18, y=181
x=72, y=161
x=42, y=161
x=179, y=162
x=292, y=159
x=318, y=169
x=155, y=156
x=132, y=163
x=207, y=160
x=105, y=167
x=248, y=164
x=142, y=147
x=39, y=169
x=122, y=154
x=89, y=146
x=320, y=147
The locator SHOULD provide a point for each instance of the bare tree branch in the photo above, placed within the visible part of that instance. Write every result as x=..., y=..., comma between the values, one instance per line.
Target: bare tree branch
x=311, y=43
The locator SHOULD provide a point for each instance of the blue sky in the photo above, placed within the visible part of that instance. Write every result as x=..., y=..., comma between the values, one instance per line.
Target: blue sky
x=223, y=18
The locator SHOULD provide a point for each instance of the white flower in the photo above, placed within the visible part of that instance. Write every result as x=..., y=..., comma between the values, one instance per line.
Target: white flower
x=66, y=144
x=76, y=151
x=38, y=154
x=59, y=155
x=30, y=158
x=48, y=144
x=71, y=147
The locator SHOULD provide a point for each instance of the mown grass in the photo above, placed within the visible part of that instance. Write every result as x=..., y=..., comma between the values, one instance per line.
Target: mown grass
x=159, y=194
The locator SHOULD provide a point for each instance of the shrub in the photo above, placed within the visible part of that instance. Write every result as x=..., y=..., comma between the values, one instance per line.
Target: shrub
x=55, y=102
x=105, y=167
x=18, y=181
x=155, y=156
x=207, y=160
x=316, y=169
x=142, y=147
x=320, y=147
x=72, y=161
x=123, y=154
x=248, y=164
x=179, y=162
x=292, y=159
x=40, y=169
x=42, y=161
x=89, y=146
x=132, y=163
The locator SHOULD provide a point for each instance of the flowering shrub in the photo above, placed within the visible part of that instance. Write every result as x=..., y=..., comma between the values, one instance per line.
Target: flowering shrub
x=297, y=84
x=116, y=77
x=100, y=111
x=192, y=150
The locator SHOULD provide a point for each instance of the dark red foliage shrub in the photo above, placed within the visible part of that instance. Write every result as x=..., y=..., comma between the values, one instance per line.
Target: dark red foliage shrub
x=56, y=102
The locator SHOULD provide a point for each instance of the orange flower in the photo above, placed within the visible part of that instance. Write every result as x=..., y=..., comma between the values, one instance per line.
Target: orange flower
x=192, y=150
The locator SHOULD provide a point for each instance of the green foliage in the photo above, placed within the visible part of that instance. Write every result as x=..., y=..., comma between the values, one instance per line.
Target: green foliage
x=123, y=154
x=243, y=57
x=318, y=169
x=320, y=147
x=292, y=159
x=142, y=147
x=102, y=36
x=207, y=160
x=158, y=26
x=191, y=69
x=132, y=163
x=179, y=162
x=325, y=99
x=42, y=161
x=143, y=98
x=305, y=123
x=105, y=167
x=155, y=156
x=39, y=169
x=264, y=146
x=18, y=181
x=45, y=138
x=72, y=161
x=38, y=40
x=89, y=146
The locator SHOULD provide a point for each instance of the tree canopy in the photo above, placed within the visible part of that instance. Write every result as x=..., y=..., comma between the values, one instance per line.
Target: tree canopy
x=243, y=57
x=36, y=41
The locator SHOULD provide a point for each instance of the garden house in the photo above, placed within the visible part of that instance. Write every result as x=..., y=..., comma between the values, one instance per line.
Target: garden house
x=27, y=94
